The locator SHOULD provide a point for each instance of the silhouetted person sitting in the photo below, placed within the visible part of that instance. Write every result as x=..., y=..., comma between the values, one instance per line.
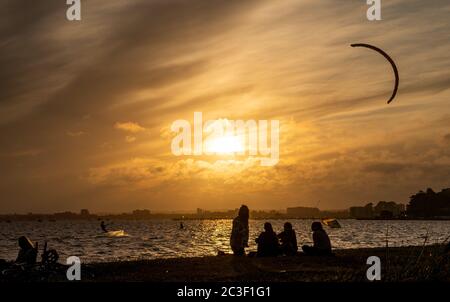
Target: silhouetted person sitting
x=3, y=264
x=267, y=242
x=239, y=232
x=288, y=240
x=103, y=226
x=28, y=251
x=322, y=244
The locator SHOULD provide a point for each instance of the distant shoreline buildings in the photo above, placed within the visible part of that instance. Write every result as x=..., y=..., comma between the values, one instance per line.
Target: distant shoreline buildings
x=422, y=205
x=383, y=210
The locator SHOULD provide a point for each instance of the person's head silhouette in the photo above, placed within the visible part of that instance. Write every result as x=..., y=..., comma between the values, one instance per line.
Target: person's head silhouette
x=244, y=212
x=25, y=243
x=316, y=226
x=288, y=226
x=268, y=227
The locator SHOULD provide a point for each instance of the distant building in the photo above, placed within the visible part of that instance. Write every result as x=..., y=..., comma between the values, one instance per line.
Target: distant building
x=386, y=209
x=265, y=214
x=383, y=209
x=341, y=214
x=362, y=212
x=141, y=213
x=84, y=212
x=303, y=212
x=65, y=215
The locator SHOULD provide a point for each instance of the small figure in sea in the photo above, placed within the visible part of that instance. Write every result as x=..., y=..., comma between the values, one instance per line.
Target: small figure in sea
x=28, y=251
x=322, y=243
x=181, y=225
x=267, y=241
x=288, y=240
x=239, y=232
x=103, y=226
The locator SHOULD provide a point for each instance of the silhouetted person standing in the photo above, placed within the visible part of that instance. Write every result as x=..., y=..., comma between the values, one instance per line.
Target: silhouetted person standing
x=288, y=240
x=239, y=232
x=267, y=242
x=322, y=244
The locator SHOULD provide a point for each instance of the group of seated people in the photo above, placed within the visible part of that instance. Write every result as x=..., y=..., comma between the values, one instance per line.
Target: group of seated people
x=285, y=243
x=271, y=244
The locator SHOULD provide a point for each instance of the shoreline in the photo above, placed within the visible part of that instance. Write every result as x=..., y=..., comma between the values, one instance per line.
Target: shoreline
x=398, y=264
x=411, y=263
x=96, y=219
x=414, y=263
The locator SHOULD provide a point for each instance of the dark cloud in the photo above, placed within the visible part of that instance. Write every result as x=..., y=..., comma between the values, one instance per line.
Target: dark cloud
x=133, y=56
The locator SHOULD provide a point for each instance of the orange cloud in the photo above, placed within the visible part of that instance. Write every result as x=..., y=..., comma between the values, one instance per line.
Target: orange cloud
x=129, y=127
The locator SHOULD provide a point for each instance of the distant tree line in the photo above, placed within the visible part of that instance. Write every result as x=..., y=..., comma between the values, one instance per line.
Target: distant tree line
x=429, y=204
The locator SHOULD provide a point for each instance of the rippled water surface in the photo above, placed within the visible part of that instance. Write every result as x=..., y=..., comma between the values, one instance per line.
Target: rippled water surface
x=163, y=238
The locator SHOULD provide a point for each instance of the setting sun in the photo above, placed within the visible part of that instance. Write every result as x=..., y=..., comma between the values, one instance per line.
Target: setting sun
x=224, y=145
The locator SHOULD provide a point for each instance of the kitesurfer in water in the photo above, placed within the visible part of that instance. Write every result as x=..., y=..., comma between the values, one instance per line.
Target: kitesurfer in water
x=103, y=226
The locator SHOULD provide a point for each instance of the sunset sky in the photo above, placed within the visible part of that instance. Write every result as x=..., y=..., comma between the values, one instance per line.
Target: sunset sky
x=86, y=107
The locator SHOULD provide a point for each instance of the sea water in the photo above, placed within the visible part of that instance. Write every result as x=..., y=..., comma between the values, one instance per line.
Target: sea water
x=150, y=239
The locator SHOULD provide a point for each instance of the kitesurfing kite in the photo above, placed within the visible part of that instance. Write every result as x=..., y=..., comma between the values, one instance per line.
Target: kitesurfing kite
x=394, y=67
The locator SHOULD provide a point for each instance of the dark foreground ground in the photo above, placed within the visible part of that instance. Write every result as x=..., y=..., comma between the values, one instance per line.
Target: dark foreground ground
x=397, y=264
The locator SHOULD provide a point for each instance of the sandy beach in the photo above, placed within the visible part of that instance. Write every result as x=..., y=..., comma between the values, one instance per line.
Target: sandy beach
x=415, y=263
x=404, y=264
